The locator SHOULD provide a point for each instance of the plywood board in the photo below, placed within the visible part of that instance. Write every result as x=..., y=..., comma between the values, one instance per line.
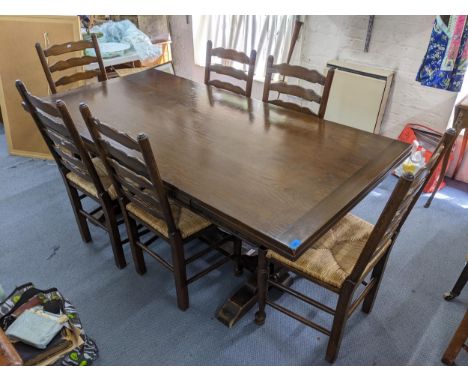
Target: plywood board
x=19, y=60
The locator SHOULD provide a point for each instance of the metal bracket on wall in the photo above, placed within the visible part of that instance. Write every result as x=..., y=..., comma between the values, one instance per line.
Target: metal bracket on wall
x=370, y=26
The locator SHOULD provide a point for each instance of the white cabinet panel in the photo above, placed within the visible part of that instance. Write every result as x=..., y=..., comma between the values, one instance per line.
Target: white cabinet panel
x=358, y=96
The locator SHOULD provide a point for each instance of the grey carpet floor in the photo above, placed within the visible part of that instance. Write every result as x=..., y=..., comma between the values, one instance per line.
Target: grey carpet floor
x=135, y=321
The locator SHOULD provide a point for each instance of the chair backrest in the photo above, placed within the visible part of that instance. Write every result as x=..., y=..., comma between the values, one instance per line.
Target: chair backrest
x=132, y=167
x=232, y=55
x=69, y=47
x=301, y=73
x=59, y=132
x=399, y=206
x=460, y=121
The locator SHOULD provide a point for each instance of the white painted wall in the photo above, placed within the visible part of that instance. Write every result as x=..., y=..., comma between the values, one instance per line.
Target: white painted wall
x=398, y=43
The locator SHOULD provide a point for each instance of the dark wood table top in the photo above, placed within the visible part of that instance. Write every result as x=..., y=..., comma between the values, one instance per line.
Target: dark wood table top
x=278, y=178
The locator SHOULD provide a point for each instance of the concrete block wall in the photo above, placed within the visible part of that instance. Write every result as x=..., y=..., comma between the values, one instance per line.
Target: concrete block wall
x=398, y=43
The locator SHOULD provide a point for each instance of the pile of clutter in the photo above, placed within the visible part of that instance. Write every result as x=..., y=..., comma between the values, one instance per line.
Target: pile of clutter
x=40, y=327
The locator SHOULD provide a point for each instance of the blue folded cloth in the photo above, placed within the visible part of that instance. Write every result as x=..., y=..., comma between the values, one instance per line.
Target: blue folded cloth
x=35, y=327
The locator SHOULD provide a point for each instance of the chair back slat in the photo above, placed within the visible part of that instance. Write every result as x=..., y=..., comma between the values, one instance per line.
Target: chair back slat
x=74, y=165
x=305, y=94
x=118, y=136
x=132, y=168
x=44, y=106
x=80, y=76
x=63, y=140
x=125, y=172
x=227, y=86
x=295, y=90
x=132, y=162
x=309, y=75
x=231, y=54
x=137, y=192
x=66, y=48
x=72, y=62
x=228, y=71
x=53, y=124
x=291, y=106
x=399, y=206
x=63, y=144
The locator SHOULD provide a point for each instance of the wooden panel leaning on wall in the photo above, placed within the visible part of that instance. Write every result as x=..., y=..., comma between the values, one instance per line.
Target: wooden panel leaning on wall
x=18, y=60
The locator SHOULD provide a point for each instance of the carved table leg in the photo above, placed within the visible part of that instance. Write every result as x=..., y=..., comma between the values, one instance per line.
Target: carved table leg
x=246, y=296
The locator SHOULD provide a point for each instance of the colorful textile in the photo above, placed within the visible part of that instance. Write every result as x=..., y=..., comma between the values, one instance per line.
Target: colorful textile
x=445, y=62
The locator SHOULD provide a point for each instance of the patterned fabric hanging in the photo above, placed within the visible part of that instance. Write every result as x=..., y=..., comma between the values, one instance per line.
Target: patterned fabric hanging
x=445, y=62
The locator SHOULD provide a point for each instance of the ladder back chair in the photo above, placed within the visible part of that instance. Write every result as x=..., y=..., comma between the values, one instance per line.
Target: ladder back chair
x=143, y=198
x=301, y=73
x=343, y=257
x=460, y=122
x=69, y=47
x=232, y=55
x=82, y=175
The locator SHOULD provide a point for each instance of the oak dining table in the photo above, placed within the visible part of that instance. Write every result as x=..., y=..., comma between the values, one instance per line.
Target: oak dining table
x=276, y=177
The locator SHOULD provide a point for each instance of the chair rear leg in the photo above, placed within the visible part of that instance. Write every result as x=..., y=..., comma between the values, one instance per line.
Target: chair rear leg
x=457, y=342
x=439, y=181
x=113, y=231
x=459, y=285
x=339, y=322
x=377, y=273
x=180, y=270
x=262, y=288
x=137, y=252
x=237, y=252
x=77, y=207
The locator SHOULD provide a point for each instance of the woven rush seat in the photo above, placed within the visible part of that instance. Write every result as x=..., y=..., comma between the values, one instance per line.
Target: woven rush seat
x=89, y=186
x=332, y=258
x=188, y=222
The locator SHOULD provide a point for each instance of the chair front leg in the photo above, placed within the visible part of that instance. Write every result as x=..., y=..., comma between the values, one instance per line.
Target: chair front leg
x=339, y=322
x=77, y=207
x=180, y=270
x=262, y=288
x=377, y=274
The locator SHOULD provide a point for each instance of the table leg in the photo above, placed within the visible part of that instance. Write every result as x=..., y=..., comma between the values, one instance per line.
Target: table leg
x=246, y=296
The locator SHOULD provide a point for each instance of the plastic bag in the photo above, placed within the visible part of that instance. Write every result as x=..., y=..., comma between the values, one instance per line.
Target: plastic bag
x=125, y=31
x=410, y=135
